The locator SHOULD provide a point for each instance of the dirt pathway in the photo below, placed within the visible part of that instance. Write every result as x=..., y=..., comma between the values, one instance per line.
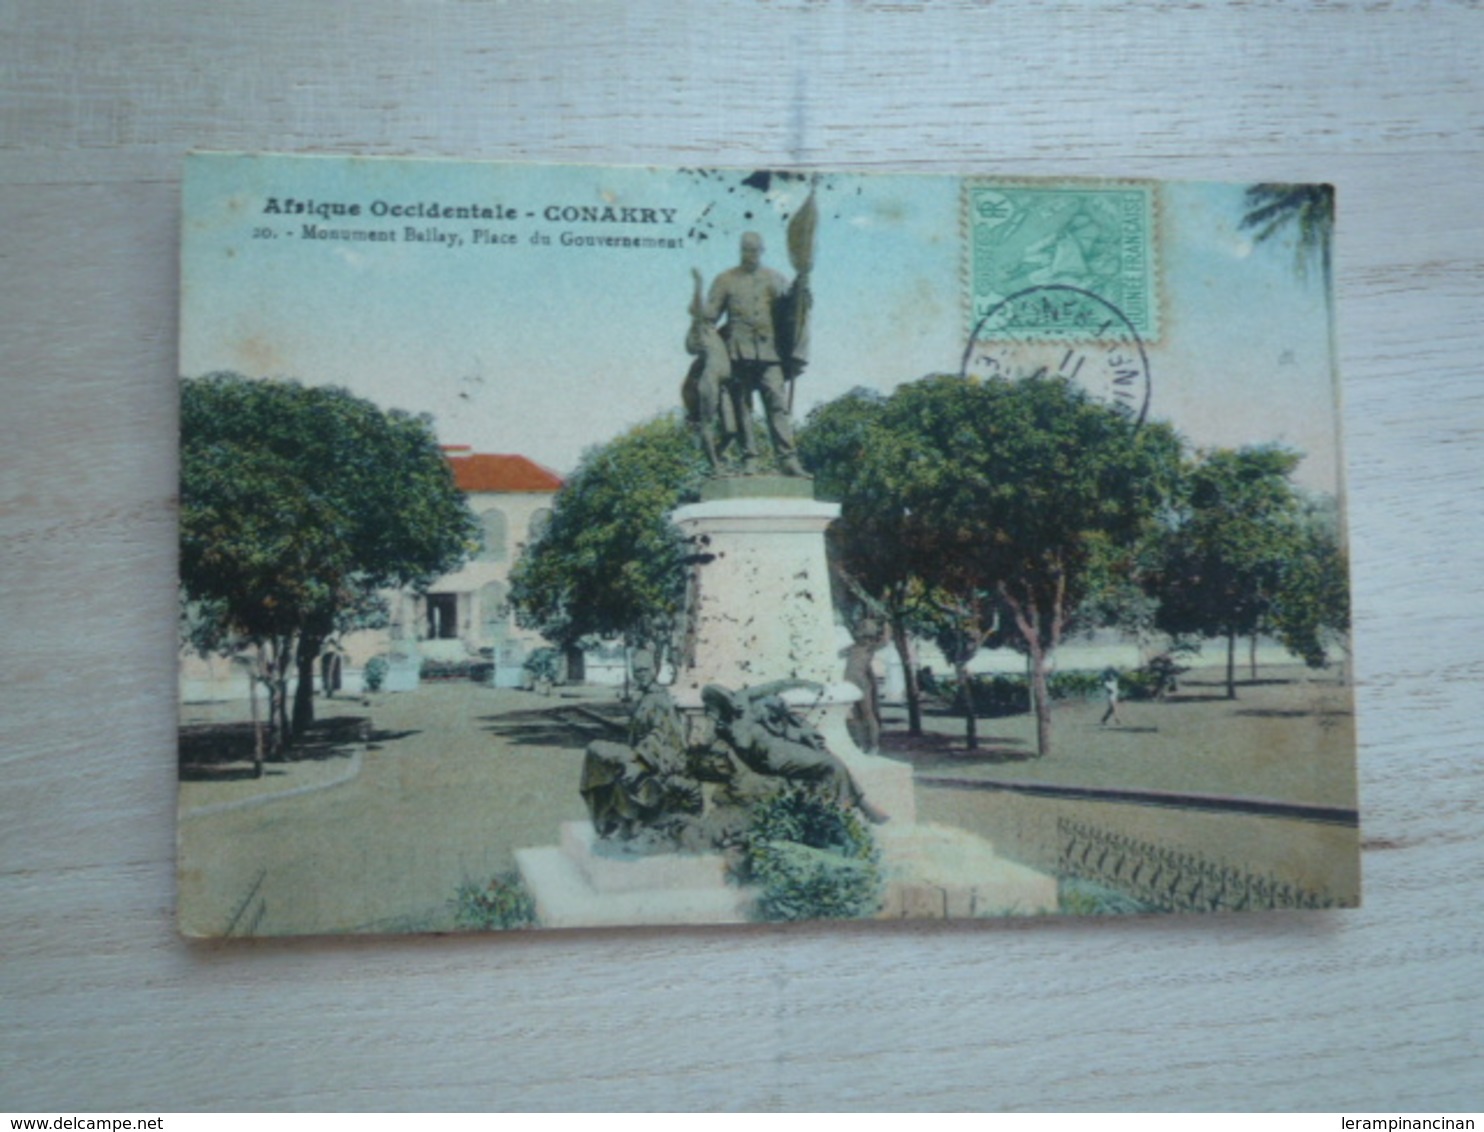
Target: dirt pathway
x=456, y=778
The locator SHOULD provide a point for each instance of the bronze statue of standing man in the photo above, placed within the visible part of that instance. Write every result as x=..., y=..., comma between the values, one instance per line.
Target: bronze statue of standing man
x=766, y=333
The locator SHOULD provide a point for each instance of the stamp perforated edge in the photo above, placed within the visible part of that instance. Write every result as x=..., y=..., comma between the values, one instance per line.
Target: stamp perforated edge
x=1150, y=334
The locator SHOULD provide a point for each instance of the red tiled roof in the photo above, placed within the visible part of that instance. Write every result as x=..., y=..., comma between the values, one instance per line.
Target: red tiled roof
x=483, y=471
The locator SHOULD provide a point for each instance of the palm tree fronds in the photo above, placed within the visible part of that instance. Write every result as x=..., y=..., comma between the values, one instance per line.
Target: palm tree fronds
x=1308, y=209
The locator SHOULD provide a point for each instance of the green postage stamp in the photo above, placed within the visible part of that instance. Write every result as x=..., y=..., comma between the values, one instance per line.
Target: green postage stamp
x=565, y=546
x=1096, y=238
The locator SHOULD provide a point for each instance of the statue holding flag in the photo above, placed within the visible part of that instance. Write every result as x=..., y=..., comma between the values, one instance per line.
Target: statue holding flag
x=765, y=340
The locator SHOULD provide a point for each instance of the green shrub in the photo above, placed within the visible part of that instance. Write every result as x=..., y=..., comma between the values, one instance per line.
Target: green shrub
x=500, y=905
x=1078, y=897
x=811, y=859
x=993, y=695
x=803, y=883
x=374, y=674
x=998, y=695
x=1138, y=684
x=477, y=670
x=543, y=664
x=1074, y=685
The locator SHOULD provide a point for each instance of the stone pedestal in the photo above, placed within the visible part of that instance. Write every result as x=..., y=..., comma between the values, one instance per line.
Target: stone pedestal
x=587, y=882
x=758, y=606
x=759, y=609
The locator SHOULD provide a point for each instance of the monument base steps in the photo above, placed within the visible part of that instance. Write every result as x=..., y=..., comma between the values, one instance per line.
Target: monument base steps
x=585, y=882
x=929, y=872
x=938, y=872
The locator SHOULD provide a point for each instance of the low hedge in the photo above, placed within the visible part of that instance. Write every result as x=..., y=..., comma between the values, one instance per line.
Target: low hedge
x=999, y=695
x=478, y=671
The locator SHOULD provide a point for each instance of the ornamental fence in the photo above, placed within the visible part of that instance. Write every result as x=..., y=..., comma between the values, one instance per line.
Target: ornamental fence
x=1173, y=880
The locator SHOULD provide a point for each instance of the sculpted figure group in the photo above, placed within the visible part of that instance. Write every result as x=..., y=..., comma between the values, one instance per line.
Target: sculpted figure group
x=652, y=790
x=661, y=790
x=749, y=335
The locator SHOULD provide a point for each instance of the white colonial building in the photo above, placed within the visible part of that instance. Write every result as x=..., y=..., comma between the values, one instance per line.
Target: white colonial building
x=464, y=617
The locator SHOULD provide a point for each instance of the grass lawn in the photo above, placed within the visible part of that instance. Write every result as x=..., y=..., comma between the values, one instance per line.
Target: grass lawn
x=456, y=777
x=1286, y=737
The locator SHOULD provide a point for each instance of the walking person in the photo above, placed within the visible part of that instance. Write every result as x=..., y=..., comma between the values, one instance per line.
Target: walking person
x=1110, y=686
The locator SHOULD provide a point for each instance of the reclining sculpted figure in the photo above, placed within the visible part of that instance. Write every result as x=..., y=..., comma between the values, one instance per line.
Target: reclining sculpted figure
x=649, y=792
x=757, y=727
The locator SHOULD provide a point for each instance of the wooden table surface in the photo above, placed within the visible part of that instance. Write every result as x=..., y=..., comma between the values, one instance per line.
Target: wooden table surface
x=104, y=1007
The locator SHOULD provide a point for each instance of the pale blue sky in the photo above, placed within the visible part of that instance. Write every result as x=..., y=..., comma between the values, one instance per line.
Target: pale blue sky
x=545, y=350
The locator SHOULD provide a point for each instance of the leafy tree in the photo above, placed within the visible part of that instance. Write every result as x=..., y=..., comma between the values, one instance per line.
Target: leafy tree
x=1311, y=611
x=840, y=443
x=859, y=461
x=1018, y=489
x=1117, y=590
x=1229, y=547
x=610, y=563
x=206, y=630
x=298, y=506
x=965, y=617
x=989, y=507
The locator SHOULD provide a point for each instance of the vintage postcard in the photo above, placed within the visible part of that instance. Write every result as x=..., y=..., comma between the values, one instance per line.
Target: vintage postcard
x=575, y=546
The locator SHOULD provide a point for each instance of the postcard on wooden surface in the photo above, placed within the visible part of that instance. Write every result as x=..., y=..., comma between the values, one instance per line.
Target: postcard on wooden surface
x=576, y=546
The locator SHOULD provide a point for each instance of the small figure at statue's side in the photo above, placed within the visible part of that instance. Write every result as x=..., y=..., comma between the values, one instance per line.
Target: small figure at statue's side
x=707, y=390
x=868, y=632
